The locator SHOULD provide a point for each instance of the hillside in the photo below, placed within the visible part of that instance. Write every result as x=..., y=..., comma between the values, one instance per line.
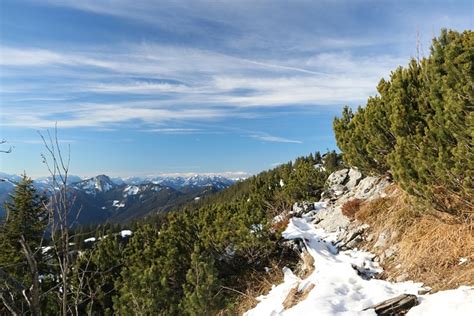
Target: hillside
x=383, y=228
x=341, y=278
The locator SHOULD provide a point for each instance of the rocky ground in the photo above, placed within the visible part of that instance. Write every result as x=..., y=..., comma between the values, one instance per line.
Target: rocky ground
x=339, y=277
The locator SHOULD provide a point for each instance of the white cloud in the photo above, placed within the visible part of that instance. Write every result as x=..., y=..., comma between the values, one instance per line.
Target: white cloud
x=198, y=84
x=227, y=174
x=101, y=115
x=175, y=130
x=275, y=139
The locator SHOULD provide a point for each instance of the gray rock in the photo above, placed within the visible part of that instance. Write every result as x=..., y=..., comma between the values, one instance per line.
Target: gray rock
x=424, y=290
x=301, y=208
x=381, y=240
x=402, y=277
x=351, y=236
x=390, y=251
x=365, y=272
x=370, y=188
x=338, y=189
x=370, y=237
x=337, y=177
x=331, y=219
x=354, y=242
x=354, y=178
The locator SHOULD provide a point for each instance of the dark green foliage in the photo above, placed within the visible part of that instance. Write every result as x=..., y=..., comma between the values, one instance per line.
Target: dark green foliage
x=420, y=128
x=26, y=220
x=187, y=261
x=201, y=285
x=97, y=268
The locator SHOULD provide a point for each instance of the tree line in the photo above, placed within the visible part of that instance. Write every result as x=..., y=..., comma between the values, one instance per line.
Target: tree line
x=419, y=128
x=193, y=261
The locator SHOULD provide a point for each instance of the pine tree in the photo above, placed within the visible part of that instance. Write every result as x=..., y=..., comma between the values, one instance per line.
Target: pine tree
x=21, y=235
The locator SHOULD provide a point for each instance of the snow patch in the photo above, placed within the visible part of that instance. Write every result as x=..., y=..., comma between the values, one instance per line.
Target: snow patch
x=125, y=233
x=117, y=204
x=450, y=302
x=344, y=283
x=463, y=260
x=131, y=190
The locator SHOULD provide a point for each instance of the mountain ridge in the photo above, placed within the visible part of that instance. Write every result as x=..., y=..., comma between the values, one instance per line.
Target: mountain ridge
x=101, y=199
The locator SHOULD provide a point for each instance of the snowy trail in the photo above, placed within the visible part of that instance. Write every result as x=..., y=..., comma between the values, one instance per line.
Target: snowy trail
x=340, y=290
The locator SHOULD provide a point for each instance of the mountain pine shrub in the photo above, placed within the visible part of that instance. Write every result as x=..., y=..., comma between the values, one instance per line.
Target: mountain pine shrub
x=420, y=126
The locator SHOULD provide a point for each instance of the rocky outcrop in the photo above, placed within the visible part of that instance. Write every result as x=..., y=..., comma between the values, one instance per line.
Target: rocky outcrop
x=342, y=186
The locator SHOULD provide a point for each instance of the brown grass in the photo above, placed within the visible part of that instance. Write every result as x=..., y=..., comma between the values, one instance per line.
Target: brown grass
x=307, y=265
x=430, y=242
x=350, y=208
x=295, y=296
x=431, y=250
x=281, y=225
x=398, y=211
x=259, y=284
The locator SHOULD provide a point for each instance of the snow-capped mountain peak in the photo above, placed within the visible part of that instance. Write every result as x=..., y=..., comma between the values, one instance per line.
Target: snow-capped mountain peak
x=178, y=182
x=100, y=183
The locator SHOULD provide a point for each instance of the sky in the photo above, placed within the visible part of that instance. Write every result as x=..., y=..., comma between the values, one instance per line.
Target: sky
x=231, y=87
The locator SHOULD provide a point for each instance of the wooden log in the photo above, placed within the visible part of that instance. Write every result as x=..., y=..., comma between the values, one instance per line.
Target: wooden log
x=396, y=306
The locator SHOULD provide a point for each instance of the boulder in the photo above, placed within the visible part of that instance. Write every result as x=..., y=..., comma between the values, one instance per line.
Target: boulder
x=337, y=177
x=351, y=236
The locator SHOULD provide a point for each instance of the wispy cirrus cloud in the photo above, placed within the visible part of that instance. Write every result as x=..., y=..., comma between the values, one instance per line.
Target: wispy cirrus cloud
x=175, y=130
x=177, y=84
x=274, y=139
x=211, y=60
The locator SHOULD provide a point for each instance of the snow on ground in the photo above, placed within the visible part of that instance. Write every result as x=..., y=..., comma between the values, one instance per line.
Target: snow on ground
x=450, y=302
x=125, y=233
x=340, y=290
x=46, y=249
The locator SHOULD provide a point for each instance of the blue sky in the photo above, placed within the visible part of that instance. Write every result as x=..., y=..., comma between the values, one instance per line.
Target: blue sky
x=145, y=87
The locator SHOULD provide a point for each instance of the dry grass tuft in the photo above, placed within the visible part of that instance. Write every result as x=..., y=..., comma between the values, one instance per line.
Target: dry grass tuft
x=431, y=250
x=430, y=242
x=350, y=208
x=397, y=211
x=259, y=284
x=307, y=265
x=295, y=296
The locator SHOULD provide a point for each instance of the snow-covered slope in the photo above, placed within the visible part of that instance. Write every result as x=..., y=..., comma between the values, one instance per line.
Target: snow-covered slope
x=344, y=282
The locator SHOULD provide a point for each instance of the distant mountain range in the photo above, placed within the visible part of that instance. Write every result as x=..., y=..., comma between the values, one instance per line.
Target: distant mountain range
x=103, y=199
